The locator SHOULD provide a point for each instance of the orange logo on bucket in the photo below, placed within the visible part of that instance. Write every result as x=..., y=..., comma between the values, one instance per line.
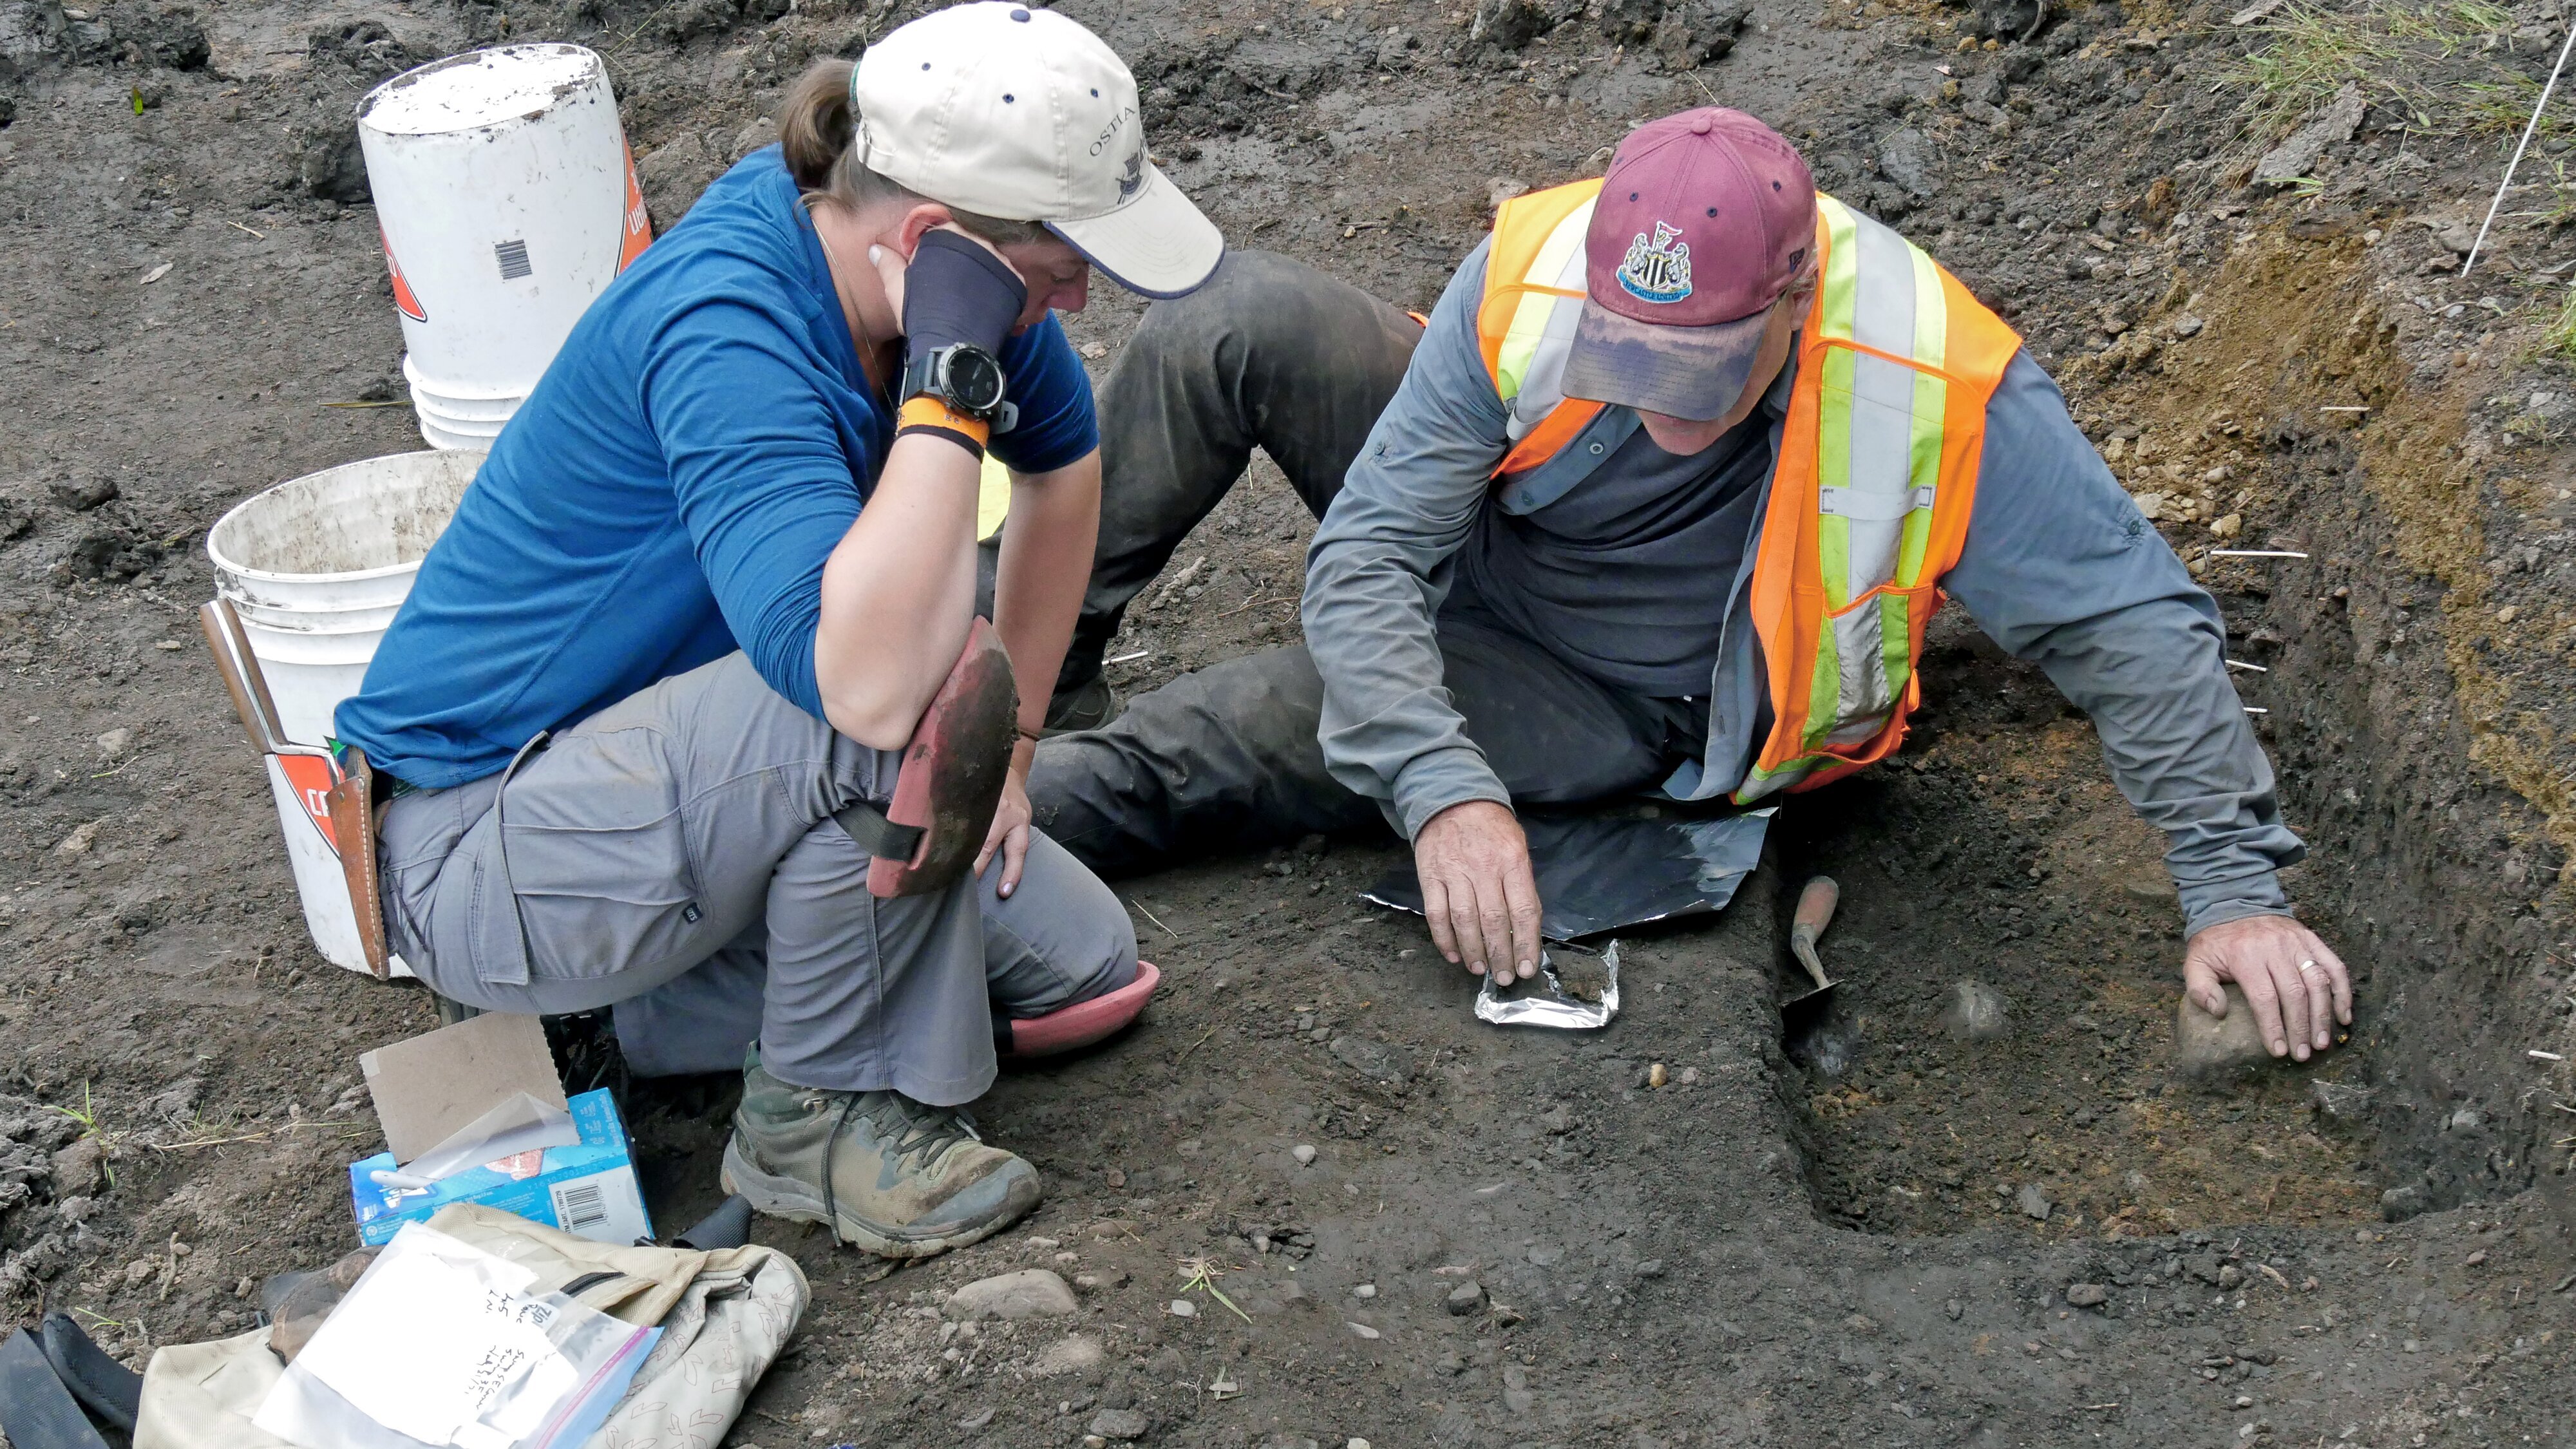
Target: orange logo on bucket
x=639, y=226
x=309, y=776
x=403, y=297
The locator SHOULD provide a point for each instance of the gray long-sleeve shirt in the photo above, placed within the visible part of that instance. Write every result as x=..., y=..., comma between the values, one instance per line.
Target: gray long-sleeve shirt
x=2059, y=569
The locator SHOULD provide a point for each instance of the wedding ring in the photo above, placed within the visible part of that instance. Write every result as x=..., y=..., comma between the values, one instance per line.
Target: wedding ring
x=2307, y=966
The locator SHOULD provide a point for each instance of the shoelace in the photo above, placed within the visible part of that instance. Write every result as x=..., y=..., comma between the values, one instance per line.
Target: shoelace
x=918, y=1130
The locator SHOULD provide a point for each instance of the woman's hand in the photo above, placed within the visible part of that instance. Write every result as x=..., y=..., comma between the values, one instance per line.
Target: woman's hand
x=1010, y=832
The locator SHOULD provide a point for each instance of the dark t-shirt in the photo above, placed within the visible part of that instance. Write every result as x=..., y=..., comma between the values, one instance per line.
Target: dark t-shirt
x=1626, y=577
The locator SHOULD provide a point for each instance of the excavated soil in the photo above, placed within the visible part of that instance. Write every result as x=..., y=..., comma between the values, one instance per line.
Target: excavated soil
x=1871, y=1232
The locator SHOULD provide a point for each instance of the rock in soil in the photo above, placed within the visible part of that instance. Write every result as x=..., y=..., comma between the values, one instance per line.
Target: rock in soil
x=1074, y=1354
x=2211, y=1051
x=1121, y=1424
x=82, y=494
x=1029, y=1293
x=1466, y=1298
x=80, y=1169
x=2087, y=1295
x=1370, y=1058
x=2033, y=1202
x=2341, y=1103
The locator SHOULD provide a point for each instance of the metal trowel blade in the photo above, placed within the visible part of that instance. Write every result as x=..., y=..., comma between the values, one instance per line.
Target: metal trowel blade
x=1807, y=1010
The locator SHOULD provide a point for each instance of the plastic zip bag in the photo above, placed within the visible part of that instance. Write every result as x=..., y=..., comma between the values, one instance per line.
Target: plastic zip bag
x=441, y=1343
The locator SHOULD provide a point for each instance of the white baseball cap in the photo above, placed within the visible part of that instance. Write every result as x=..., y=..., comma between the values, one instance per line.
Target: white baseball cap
x=1022, y=114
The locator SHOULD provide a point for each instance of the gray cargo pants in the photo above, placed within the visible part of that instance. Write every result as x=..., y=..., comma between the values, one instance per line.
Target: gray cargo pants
x=676, y=856
x=1274, y=354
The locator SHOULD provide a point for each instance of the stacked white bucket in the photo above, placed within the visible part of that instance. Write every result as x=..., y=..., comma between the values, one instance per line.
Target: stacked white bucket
x=317, y=568
x=508, y=202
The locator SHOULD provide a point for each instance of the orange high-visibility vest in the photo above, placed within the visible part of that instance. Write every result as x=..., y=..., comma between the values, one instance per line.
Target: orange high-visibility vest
x=1877, y=474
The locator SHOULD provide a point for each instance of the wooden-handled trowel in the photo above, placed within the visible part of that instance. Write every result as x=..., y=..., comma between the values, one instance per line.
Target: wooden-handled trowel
x=1815, y=912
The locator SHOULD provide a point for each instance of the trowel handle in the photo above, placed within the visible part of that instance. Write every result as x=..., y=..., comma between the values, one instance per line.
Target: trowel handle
x=1815, y=910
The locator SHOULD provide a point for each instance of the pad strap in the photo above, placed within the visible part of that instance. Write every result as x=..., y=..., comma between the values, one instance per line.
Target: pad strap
x=878, y=836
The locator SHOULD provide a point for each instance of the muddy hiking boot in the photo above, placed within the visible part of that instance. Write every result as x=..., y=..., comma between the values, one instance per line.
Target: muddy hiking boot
x=885, y=1172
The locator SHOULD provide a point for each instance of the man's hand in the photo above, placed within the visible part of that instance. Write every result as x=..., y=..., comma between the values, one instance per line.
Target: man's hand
x=1477, y=889
x=2299, y=990
x=1010, y=832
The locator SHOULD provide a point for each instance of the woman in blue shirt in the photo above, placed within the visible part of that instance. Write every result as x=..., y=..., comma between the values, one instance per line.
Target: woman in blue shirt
x=656, y=671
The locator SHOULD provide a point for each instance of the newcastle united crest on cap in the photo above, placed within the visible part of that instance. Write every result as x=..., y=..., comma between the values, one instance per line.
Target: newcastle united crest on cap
x=1657, y=270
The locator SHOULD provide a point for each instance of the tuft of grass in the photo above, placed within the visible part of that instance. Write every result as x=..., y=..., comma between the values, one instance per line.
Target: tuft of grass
x=2304, y=53
x=2308, y=54
x=87, y=1115
x=1200, y=1275
x=2560, y=336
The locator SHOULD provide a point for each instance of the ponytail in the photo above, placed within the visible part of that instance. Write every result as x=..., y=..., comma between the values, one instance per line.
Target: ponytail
x=815, y=127
x=814, y=124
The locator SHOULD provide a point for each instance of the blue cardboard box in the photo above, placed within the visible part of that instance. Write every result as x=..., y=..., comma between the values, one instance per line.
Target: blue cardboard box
x=587, y=1189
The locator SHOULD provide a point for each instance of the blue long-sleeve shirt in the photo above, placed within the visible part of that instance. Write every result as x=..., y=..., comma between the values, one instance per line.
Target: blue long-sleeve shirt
x=2060, y=569
x=668, y=493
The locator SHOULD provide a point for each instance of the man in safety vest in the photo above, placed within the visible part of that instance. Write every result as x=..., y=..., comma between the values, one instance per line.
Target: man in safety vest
x=1660, y=498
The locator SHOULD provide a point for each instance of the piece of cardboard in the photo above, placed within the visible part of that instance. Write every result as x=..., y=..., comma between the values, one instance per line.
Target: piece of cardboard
x=588, y=1189
x=429, y=1087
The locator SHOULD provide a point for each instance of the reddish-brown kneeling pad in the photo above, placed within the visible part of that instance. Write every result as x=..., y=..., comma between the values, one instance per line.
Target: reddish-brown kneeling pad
x=953, y=770
x=1080, y=1024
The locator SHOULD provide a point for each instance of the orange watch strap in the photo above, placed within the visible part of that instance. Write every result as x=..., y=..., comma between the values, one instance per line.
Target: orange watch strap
x=925, y=411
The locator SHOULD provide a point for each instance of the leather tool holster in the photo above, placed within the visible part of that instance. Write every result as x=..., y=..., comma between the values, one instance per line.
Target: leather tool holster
x=926, y=837
x=342, y=781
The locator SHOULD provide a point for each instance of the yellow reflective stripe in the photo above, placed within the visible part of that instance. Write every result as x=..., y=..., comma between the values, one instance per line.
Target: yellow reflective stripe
x=1931, y=311
x=1548, y=269
x=1824, y=690
x=1529, y=315
x=1895, y=643
x=1520, y=341
x=1931, y=402
x=1833, y=557
x=1841, y=287
x=1910, y=547
x=1842, y=267
x=1833, y=470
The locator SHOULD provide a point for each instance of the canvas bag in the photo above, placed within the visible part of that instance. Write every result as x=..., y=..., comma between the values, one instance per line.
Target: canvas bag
x=725, y=1315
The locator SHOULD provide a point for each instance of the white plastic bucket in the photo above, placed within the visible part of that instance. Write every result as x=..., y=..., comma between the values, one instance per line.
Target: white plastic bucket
x=448, y=420
x=318, y=566
x=508, y=202
x=494, y=407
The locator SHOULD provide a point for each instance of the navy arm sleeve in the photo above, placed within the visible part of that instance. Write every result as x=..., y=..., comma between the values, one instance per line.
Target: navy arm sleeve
x=2061, y=569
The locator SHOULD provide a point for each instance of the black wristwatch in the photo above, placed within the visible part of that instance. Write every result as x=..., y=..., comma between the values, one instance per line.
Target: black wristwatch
x=965, y=377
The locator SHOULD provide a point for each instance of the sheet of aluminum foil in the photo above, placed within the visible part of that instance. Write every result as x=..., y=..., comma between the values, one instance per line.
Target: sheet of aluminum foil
x=1547, y=1000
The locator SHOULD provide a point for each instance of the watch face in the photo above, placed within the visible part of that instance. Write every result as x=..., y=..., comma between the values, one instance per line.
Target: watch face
x=974, y=380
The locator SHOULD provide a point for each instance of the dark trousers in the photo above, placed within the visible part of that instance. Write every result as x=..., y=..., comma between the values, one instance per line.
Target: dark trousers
x=1273, y=354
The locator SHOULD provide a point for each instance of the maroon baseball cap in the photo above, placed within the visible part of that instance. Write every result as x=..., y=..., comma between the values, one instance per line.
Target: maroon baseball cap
x=1705, y=220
